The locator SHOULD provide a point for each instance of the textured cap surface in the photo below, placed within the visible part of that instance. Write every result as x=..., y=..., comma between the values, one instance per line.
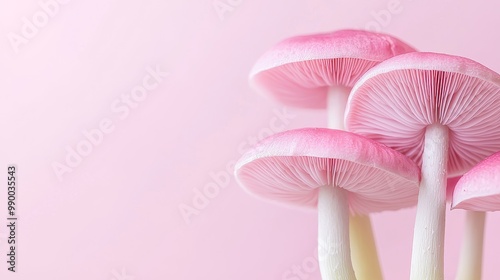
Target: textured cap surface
x=299, y=70
x=479, y=189
x=395, y=101
x=291, y=166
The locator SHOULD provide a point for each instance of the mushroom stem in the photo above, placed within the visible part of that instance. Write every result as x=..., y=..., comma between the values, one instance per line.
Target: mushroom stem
x=334, y=254
x=337, y=100
x=428, y=240
x=363, y=249
x=471, y=255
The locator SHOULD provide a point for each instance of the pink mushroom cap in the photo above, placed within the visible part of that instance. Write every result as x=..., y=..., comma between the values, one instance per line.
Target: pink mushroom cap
x=290, y=167
x=479, y=189
x=299, y=70
x=450, y=187
x=395, y=101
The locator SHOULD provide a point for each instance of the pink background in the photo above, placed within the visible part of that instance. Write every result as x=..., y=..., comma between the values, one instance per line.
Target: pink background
x=116, y=215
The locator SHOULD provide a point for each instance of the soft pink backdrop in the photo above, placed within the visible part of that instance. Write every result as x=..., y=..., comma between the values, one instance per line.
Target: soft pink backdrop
x=116, y=214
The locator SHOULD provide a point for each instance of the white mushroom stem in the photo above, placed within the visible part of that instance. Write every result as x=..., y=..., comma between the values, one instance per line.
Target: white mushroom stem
x=428, y=240
x=334, y=254
x=336, y=103
x=364, y=251
x=471, y=255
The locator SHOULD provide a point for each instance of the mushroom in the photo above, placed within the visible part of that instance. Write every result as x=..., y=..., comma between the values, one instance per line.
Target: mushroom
x=337, y=171
x=477, y=191
x=450, y=186
x=441, y=111
x=318, y=71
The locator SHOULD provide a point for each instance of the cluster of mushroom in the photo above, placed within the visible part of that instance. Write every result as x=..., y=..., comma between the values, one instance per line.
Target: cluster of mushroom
x=400, y=124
